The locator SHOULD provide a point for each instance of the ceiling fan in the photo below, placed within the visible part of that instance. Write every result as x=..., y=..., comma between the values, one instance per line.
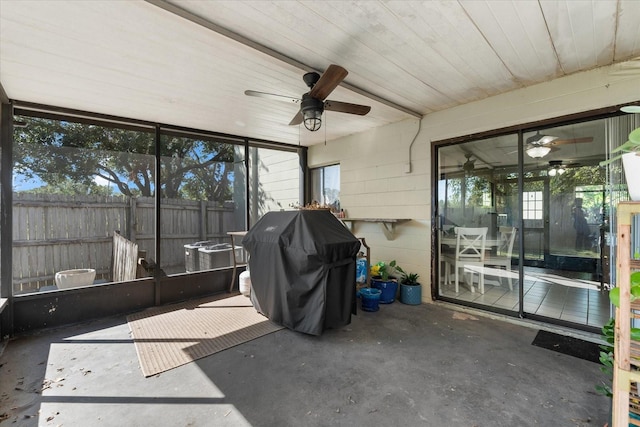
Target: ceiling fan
x=469, y=165
x=539, y=145
x=314, y=102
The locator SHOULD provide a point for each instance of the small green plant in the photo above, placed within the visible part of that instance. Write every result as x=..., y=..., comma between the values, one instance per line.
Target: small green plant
x=384, y=270
x=410, y=279
x=606, y=357
x=614, y=294
x=608, y=333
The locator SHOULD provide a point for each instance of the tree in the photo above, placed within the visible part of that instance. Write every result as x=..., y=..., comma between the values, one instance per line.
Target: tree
x=62, y=152
x=579, y=176
x=71, y=188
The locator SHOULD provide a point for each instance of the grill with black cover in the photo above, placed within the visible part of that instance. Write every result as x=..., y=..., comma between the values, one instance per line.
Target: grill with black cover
x=302, y=267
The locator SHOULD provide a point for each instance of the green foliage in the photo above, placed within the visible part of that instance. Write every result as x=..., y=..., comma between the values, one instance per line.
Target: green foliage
x=410, y=279
x=606, y=357
x=384, y=270
x=578, y=176
x=614, y=294
x=478, y=187
x=608, y=334
x=71, y=188
x=60, y=152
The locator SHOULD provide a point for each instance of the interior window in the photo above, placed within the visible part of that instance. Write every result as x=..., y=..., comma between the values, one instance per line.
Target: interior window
x=325, y=186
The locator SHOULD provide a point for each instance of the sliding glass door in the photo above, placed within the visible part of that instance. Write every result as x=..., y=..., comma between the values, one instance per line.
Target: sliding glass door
x=564, y=214
x=478, y=189
x=546, y=185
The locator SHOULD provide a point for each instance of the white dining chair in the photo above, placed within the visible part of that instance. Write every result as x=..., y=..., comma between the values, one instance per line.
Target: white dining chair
x=469, y=255
x=503, y=255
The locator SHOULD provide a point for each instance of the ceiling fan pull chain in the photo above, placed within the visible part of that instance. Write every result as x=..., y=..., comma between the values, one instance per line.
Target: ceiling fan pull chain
x=325, y=128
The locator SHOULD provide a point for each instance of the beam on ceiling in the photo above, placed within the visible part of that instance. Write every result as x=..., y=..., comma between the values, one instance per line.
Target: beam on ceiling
x=268, y=51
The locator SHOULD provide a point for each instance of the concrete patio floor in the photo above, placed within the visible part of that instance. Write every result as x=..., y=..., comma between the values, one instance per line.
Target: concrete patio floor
x=426, y=365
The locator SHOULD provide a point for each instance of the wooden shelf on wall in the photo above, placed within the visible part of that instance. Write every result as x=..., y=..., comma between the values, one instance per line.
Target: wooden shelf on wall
x=388, y=224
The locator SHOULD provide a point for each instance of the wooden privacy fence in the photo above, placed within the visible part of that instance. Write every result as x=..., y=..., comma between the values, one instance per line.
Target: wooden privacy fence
x=125, y=259
x=53, y=232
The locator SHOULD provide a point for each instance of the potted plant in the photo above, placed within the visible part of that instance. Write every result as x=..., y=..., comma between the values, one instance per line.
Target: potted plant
x=381, y=279
x=629, y=152
x=410, y=288
x=608, y=333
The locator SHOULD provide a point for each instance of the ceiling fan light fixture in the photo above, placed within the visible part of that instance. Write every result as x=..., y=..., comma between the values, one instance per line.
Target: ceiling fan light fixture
x=630, y=109
x=537, y=145
x=556, y=171
x=312, y=120
x=556, y=168
x=538, y=151
x=311, y=109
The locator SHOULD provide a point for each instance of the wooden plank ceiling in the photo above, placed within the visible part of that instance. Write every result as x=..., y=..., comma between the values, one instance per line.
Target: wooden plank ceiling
x=189, y=62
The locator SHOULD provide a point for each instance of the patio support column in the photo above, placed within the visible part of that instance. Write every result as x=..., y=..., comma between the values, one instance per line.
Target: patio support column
x=158, y=228
x=6, y=217
x=520, y=224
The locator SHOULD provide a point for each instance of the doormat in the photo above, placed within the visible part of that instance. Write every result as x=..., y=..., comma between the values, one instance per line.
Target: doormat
x=171, y=336
x=571, y=346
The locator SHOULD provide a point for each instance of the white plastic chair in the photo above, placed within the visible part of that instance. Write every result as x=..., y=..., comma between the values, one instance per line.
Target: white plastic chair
x=470, y=246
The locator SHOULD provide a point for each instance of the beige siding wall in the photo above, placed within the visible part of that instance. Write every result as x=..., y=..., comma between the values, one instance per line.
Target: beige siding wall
x=278, y=176
x=374, y=166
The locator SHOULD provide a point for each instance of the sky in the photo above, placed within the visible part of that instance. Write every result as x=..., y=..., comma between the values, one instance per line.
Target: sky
x=24, y=183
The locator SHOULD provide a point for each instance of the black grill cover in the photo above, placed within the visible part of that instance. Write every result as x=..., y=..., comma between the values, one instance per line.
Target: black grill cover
x=302, y=267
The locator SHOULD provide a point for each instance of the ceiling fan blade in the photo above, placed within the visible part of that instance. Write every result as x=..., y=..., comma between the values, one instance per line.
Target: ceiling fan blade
x=272, y=96
x=329, y=80
x=572, y=141
x=345, y=107
x=297, y=119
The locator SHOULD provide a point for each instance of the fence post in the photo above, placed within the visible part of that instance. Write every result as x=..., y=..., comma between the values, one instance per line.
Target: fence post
x=203, y=220
x=131, y=226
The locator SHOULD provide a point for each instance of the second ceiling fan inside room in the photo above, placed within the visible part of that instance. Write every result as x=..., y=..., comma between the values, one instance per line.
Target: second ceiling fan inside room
x=539, y=145
x=314, y=103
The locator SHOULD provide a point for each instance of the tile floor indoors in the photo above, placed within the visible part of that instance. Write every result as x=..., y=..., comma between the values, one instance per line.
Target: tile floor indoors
x=546, y=294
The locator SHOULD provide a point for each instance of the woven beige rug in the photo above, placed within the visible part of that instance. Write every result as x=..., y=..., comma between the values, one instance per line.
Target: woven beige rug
x=168, y=337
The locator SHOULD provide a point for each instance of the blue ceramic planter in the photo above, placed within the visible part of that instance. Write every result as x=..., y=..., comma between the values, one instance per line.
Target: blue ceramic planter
x=411, y=295
x=370, y=299
x=389, y=289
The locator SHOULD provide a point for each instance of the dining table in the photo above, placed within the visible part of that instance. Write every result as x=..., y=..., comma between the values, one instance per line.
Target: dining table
x=451, y=241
